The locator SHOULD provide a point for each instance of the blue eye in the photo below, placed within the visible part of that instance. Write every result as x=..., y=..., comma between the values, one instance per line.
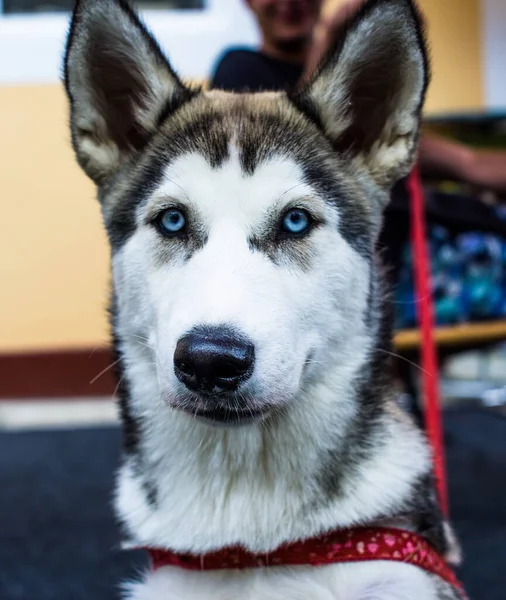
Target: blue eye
x=296, y=222
x=171, y=221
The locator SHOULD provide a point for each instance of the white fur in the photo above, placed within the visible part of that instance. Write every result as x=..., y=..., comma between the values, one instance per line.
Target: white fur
x=379, y=580
x=221, y=497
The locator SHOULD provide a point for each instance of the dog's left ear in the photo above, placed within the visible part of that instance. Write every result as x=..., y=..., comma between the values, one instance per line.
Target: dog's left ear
x=368, y=94
x=119, y=84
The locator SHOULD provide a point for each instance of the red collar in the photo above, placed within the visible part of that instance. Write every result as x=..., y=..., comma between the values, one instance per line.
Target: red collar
x=341, y=546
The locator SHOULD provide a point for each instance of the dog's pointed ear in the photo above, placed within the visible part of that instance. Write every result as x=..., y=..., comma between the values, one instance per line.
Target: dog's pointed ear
x=119, y=84
x=368, y=93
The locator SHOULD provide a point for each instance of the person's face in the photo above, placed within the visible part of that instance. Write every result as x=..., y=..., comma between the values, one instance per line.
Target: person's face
x=286, y=21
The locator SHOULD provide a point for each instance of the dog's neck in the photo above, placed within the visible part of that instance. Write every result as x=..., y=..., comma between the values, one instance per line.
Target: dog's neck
x=349, y=459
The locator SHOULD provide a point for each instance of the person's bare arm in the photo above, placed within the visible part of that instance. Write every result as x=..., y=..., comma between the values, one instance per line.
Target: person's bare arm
x=440, y=157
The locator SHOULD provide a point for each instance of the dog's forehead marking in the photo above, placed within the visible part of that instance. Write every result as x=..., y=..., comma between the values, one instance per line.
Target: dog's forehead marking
x=227, y=192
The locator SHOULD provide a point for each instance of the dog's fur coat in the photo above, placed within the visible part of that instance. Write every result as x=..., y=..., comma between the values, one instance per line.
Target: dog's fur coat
x=331, y=450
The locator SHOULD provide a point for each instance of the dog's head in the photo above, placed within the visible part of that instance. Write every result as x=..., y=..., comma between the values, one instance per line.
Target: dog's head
x=242, y=227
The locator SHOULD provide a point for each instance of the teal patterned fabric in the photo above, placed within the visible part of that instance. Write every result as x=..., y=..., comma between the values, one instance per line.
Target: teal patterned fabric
x=468, y=277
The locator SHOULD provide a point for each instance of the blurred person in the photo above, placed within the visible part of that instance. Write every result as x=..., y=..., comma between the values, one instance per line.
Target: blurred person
x=286, y=28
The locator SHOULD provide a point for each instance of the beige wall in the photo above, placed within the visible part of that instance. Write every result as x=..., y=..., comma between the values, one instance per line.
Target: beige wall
x=454, y=29
x=53, y=253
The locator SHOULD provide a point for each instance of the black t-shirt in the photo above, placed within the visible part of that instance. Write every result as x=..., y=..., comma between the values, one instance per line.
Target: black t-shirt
x=243, y=70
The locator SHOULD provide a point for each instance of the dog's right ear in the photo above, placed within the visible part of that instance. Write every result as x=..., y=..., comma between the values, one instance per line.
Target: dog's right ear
x=119, y=84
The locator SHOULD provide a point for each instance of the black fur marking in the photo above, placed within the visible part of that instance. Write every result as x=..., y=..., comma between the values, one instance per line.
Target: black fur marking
x=299, y=252
x=173, y=104
x=131, y=426
x=183, y=247
x=204, y=135
x=261, y=135
x=151, y=491
x=284, y=250
x=121, y=222
x=354, y=223
x=423, y=510
x=307, y=107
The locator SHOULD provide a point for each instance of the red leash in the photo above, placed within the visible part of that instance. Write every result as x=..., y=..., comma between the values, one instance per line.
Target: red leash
x=428, y=351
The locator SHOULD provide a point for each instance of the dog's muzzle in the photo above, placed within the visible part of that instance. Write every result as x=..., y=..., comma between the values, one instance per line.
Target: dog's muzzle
x=213, y=362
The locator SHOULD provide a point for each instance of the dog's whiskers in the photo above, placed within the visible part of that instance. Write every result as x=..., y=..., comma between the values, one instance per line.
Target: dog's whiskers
x=413, y=364
x=311, y=361
x=176, y=184
x=415, y=301
x=96, y=349
x=105, y=371
x=142, y=340
x=294, y=187
x=118, y=385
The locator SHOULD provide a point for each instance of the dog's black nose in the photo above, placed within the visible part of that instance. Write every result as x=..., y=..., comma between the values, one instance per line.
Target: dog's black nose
x=213, y=360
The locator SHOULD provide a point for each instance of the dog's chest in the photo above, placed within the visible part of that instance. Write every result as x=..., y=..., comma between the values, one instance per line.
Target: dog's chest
x=378, y=580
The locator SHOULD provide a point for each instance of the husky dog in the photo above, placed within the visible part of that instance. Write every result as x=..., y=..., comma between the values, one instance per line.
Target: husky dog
x=249, y=317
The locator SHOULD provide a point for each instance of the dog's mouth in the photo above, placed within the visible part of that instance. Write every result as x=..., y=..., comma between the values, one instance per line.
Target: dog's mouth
x=226, y=416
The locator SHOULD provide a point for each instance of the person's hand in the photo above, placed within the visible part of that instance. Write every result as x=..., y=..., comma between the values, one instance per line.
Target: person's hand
x=328, y=30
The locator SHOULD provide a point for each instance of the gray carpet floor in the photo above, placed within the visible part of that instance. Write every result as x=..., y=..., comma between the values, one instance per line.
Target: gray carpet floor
x=59, y=541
